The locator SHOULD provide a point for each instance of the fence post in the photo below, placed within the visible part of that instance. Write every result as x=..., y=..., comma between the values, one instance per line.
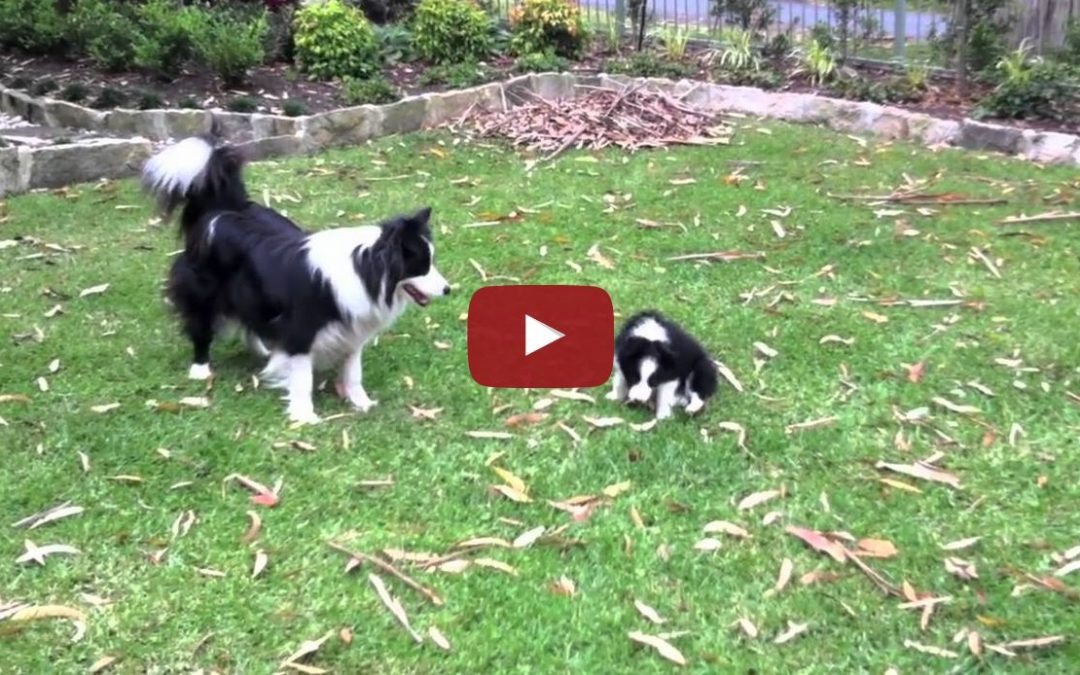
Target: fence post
x=900, y=29
x=620, y=17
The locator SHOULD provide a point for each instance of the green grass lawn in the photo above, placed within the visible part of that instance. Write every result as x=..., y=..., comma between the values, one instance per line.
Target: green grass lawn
x=832, y=273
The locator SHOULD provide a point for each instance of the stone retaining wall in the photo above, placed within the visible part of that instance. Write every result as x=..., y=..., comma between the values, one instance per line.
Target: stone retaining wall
x=267, y=136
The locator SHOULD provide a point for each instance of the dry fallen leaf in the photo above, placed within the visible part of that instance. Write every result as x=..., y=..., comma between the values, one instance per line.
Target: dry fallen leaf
x=393, y=605
x=919, y=470
x=603, y=422
x=876, y=548
x=307, y=648
x=708, y=545
x=35, y=553
x=93, y=290
x=818, y=577
x=793, y=631
x=724, y=527
x=648, y=612
x=526, y=539
x=525, y=419
x=511, y=480
x=960, y=544
x=662, y=646
x=261, y=559
x=930, y=649
x=438, y=638
x=820, y=542
x=616, y=489
x=493, y=435
x=253, y=530
x=563, y=586
x=787, y=567
x=757, y=498
x=101, y=664
x=512, y=494
x=748, y=628
x=493, y=564
x=956, y=407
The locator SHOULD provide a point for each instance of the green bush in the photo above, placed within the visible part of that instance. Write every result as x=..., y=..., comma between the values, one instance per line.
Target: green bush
x=34, y=26
x=540, y=25
x=43, y=86
x=395, y=43
x=163, y=43
x=541, y=62
x=231, y=43
x=456, y=75
x=375, y=90
x=75, y=92
x=150, y=100
x=1070, y=49
x=894, y=89
x=334, y=40
x=451, y=31
x=242, y=104
x=647, y=64
x=294, y=108
x=1039, y=91
x=104, y=32
x=189, y=103
x=109, y=97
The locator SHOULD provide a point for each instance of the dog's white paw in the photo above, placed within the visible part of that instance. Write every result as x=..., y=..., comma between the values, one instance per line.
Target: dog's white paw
x=199, y=371
x=694, y=406
x=303, y=415
x=357, y=398
x=613, y=396
x=663, y=413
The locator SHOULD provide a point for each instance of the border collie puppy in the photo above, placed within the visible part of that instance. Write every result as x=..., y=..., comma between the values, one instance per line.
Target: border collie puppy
x=305, y=300
x=657, y=361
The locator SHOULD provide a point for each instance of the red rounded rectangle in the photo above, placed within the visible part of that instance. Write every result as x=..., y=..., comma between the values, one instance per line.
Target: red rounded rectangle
x=543, y=337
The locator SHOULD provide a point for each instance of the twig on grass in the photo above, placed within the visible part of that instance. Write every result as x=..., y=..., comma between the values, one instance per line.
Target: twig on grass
x=1049, y=216
x=391, y=570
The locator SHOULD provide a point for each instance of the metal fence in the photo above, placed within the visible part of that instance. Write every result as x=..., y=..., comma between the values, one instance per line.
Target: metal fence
x=876, y=29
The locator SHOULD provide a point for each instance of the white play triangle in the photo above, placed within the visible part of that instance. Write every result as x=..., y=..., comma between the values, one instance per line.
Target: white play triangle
x=538, y=335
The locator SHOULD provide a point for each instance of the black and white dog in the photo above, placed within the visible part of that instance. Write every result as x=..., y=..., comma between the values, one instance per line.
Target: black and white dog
x=305, y=300
x=657, y=361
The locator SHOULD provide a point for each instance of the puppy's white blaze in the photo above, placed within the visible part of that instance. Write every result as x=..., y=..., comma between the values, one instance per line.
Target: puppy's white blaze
x=650, y=330
x=178, y=166
x=642, y=391
x=199, y=371
x=330, y=254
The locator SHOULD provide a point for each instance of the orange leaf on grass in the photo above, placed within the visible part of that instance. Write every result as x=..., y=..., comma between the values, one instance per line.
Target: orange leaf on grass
x=819, y=542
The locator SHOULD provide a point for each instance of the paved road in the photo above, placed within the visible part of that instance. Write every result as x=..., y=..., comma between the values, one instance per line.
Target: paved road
x=918, y=25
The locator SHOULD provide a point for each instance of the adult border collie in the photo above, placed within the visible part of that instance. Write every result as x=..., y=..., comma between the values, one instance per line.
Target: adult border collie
x=305, y=300
x=657, y=361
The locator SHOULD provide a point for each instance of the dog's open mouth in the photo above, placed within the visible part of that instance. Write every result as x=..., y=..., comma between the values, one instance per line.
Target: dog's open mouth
x=414, y=293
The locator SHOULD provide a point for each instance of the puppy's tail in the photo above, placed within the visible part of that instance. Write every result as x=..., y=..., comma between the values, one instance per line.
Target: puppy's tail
x=198, y=175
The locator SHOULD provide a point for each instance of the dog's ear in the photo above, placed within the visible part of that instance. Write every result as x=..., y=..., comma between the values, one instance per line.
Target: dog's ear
x=421, y=217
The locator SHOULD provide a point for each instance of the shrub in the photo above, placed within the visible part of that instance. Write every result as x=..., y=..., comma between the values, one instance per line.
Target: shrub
x=647, y=64
x=386, y=11
x=395, y=43
x=103, y=31
x=34, y=26
x=818, y=61
x=20, y=82
x=539, y=25
x=189, y=103
x=278, y=44
x=374, y=90
x=163, y=43
x=43, y=86
x=1039, y=90
x=109, y=97
x=1070, y=48
x=896, y=89
x=334, y=40
x=294, y=108
x=75, y=92
x=451, y=31
x=543, y=62
x=456, y=75
x=242, y=104
x=751, y=15
x=150, y=100
x=231, y=43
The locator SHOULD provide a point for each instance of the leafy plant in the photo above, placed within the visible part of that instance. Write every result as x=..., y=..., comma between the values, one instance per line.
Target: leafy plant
x=648, y=64
x=149, y=100
x=1070, y=48
x=455, y=75
x=43, y=86
x=541, y=25
x=987, y=26
x=917, y=75
x=242, y=104
x=896, y=89
x=34, y=26
x=109, y=97
x=824, y=34
x=1039, y=90
x=673, y=40
x=278, y=44
x=778, y=47
x=231, y=43
x=1015, y=67
x=75, y=92
x=105, y=31
x=294, y=108
x=819, y=62
x=189, y=103
x=737, y=53
x=543, y=62
x=451, y=31
x=333, y=40
x=373, y=91
x=164, y=42
x=20, y=82
x=395, y=43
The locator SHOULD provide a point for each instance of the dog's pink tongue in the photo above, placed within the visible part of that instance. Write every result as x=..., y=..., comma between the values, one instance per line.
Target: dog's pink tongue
x=340, y=387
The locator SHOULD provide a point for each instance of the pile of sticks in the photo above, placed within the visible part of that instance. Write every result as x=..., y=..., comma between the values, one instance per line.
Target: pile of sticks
x=632, y=118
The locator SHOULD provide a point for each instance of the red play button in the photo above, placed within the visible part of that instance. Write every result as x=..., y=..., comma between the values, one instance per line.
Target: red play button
x=542, y=337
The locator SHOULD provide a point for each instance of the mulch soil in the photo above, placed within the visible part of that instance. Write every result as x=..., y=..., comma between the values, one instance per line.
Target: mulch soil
x=271, y=86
